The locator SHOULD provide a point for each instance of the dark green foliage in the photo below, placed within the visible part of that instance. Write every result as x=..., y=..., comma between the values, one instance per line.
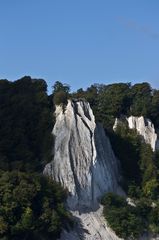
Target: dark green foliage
x=154, y=219
x=155, y=108
x=58, y=86
x=31, y=207
x=114, y=100
x=60, y=93
x=144, y=208
x=131, y=221
x=150, y=184
x=60, y=98
x=133, y=190
x=91, y=95
x=141, y=99
x=111, y=199
x=126, y=144
x=25, y=125
x=124, y=219
x=156, y=159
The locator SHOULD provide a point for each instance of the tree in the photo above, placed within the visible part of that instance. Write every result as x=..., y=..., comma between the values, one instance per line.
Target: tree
x=151, y=189
x=141, y=99
x=121, y=217
x=126, y=145
x=31, y=207
x=60, y=98
x=25, y=125
x=60, y=93
x=155, y=108
x=154, y=219
x=113, y=100
x=58, y=86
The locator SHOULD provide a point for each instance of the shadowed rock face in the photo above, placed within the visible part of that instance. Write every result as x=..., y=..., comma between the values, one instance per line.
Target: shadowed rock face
x=144, y=127
x=83, y=160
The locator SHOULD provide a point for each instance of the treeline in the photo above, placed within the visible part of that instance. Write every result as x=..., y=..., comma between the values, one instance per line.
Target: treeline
x=113, y=100
x=25, y=125
x=31, y=205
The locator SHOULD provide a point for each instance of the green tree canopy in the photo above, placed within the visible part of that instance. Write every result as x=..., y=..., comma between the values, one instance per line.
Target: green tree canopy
x=25, y=124
x=141, y=99
x=58, y=86
x=31, y=207
x=60, y=93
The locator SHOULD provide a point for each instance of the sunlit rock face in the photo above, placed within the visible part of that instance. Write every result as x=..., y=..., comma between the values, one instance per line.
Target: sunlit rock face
x=83, y=161
x=144, y=127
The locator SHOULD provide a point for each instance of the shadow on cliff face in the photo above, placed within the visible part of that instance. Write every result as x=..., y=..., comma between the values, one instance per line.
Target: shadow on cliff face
x=76, y=232
x=80, y=229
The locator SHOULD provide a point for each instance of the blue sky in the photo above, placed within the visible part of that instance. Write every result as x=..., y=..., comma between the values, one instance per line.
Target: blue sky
x=80, y=42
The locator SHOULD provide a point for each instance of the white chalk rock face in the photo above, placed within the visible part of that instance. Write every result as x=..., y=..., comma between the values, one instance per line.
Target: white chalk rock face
x=144, y=127
x=83, y=161
x=92, y=226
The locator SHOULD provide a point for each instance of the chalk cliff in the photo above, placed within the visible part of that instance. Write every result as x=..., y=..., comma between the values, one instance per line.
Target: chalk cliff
x=83, y=159
x=84, y=163
x=144, y=127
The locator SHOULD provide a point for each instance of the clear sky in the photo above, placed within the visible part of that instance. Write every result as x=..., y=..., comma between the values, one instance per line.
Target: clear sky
x=80, y=42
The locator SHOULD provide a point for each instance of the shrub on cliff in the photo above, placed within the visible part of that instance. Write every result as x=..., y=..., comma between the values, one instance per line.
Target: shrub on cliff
x=60, y=98
x=60, y=93
x=121, y=217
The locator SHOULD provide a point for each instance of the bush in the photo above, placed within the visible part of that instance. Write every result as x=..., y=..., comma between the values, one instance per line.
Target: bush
x=121, y=217
x=60, y=98
x=31, y=207
x=154, y=220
